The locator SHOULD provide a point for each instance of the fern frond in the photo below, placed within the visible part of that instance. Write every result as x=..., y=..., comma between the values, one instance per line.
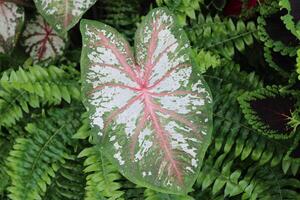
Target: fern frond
x=221, y=36
x=102, y=177
x=68, y=183
x=33, y=87
x=5, y=146
x=183, y=9
x=153, y=195
x=34, y=159
x=205, y=59
x=84, y=131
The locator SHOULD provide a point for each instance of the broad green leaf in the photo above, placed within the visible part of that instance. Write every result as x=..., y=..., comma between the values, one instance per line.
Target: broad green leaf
x=11, y=21
x=62, y=15
x=152, y=113
x=41, y=41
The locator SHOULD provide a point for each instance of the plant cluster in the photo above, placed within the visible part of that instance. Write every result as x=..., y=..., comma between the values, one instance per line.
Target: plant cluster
x=248, y=52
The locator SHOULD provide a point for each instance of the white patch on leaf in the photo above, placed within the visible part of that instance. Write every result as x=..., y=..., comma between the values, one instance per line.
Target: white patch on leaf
x=119, y=158
x=63, y=14
x=182, y=104
x=130, y=116
x=106, y=100
x=11, y=18
x=173, y=82
x=145, y=143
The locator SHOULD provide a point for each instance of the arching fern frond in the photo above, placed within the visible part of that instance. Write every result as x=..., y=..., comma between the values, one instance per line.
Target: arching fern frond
x=102, y=177
x=205, y=59
x=221, y=36
x=68, y=183
x=34, y=87
x=34, y=159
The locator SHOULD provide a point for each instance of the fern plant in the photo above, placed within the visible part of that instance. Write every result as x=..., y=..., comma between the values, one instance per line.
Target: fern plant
x=222, y=37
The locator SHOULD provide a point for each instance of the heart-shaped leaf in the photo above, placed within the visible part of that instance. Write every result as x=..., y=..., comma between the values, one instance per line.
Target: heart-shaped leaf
x=62, y=15
x=11, y=21
x=41, y=41
x=152, y=114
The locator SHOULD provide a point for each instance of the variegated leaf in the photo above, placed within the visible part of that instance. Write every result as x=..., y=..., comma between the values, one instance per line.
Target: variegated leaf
x=11, y=21
x=152, y=114
x=62, y=15
x=41, y=41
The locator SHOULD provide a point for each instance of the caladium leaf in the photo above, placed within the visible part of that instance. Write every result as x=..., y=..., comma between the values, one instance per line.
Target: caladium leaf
x=11, y=21
x=41, y=41
x=62, y=15
x=152, y=114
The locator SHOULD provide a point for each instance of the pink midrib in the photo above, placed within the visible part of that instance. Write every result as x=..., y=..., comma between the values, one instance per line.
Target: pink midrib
x=120, y=58
x=163, y=140
x=149, y=107
x=42, y=49
x=67, y=15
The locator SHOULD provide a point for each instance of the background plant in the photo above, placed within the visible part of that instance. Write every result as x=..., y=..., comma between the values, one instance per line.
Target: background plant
x=242, y=47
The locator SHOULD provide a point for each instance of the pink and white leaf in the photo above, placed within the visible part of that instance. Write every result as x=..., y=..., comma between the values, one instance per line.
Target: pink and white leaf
x=11, y=21
x=62, y=15
x=152, y=114
x=41, y=41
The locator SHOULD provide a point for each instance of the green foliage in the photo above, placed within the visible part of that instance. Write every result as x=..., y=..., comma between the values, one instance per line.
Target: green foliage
x=221, y=36
x=122, y=15
x=34, y=87
x=205, y=59
x=276, y=44
x=36, y=157
x=102, y=178
x=241, y=163
x=67, y=184
x=47, y=150
x=182, y=8
x=289, y=21
x=298, y=63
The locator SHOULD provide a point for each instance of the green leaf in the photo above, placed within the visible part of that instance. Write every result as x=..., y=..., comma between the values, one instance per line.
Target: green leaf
x=62, y=15
x=152, y=114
